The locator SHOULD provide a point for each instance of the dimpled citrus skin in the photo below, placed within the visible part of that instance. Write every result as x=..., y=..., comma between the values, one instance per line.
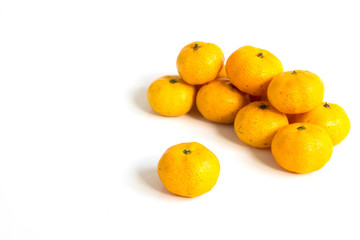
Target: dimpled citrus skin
x=188, y=169
x=331, y=117
x=302, y=147
x=171, y=96
x=219, y=101
x=257, y=123
x=199, y=62
x=250, y=69
x=296, y=91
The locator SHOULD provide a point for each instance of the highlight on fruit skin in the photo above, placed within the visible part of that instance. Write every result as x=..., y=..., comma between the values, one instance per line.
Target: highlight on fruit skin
x=188, y=169
x=199, y=62
x=171, y=96
x=331, y=117
x=302, y=147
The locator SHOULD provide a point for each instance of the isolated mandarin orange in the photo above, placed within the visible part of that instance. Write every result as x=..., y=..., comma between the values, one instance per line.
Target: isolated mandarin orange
x=188, y=169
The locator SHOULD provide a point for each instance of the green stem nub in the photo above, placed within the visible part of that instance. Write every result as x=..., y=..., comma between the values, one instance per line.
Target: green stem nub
x=263, y=106
x=261, y=55
x=294, y=72
x=187, y=151
x=301, y=128
x=326, y=105
x=196, y=47
x=173, y=81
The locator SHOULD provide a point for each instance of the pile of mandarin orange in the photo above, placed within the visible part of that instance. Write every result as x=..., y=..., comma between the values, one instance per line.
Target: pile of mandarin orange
x=269, y=107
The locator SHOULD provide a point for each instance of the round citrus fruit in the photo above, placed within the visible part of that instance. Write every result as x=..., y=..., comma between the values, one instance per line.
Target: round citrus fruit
x=171, y=96
x=199, y=62
x=295, y=91
x=302, y=147
x=188, y=169
x=250, y=69
x=331, y=117
x=257, y=123
x=219, y=101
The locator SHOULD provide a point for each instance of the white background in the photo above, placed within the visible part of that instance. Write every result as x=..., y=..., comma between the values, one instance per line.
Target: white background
x=79, y=144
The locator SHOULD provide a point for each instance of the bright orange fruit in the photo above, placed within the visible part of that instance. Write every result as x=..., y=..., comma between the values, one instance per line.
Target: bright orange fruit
x=171, y=96
x=188, y=169
x=250, y=69
x=296, y=91
x=257, y=123
x=199, y=62
x=219, y=101
x=302, y=147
